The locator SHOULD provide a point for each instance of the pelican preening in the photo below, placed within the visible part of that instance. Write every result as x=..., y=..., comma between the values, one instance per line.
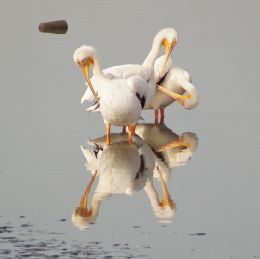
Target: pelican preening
x=173, y=83
x=122, y=92
x=121, y=100
x=166, y=38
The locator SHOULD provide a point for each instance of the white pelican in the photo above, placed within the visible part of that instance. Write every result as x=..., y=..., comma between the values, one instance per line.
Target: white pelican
x=121, y=100
x=171, y=150
x=172, y=82
x=167, y=38
x=123, y=169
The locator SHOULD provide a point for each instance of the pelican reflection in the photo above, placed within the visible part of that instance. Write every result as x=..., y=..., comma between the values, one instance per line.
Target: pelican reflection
x=120, y=168
x=171, y=150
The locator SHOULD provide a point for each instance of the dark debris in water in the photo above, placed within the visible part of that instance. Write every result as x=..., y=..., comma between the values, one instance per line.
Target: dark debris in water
x=8, y=238
x=137, y=226
x=95, y=242
x=116, y=244
x=5, y=229
x=62, y=220
x=198, y=234
x=42, y=244
x=25, y=225
x=5, y=252
x=54, y=256
x=57, y=27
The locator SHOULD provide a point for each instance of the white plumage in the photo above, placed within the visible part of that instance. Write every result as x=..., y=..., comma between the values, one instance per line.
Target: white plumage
x=171, y=149
x=121, y=100
x=120, y=94
x=168, y=38
x=178, y=82
x=121, y=169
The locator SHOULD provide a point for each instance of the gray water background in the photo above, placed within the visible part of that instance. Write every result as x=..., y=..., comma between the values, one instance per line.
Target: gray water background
x=42, y=174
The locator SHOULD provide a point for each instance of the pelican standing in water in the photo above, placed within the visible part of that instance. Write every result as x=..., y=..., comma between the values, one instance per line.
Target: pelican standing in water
x=167, y=38
x=121, y=100
x=172, y=82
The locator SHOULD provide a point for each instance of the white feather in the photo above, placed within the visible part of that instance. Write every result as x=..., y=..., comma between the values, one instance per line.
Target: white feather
x=145, y=71
x=176, y=80
x=157, y=137
x=119, y=103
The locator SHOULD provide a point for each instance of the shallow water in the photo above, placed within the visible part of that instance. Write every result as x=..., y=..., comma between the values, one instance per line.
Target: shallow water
x=43, y=125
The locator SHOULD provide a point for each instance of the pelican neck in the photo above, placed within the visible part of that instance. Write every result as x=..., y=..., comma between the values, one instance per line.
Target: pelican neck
x=152, y=55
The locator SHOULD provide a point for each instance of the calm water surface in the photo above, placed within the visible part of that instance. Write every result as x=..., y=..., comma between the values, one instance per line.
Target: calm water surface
x=213, y=182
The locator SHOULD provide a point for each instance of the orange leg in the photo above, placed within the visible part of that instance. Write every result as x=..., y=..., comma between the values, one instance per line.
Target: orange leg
x=131, y=132
x=162, y=116
x=156, y=117
x=108, y=128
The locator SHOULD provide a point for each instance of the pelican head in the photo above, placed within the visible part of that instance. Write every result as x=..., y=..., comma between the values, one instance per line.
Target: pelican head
x=82, y=218
x=85, y=56
x=83, y=53
x=191, y=99
x=167, y=38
